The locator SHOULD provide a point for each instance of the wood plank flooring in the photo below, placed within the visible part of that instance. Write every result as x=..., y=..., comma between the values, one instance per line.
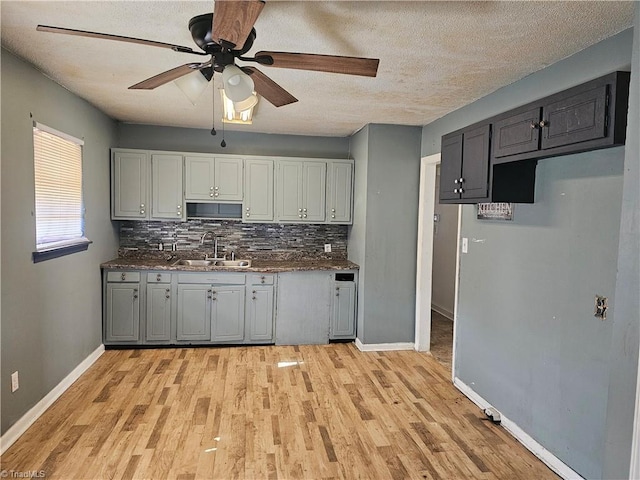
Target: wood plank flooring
x=313, y=412
x=441, y=339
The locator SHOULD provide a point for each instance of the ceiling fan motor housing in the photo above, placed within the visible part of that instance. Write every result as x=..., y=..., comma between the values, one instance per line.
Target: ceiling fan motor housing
x=200, y=27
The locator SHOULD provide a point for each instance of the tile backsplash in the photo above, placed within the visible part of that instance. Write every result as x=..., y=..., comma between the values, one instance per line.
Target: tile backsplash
x=247, y=240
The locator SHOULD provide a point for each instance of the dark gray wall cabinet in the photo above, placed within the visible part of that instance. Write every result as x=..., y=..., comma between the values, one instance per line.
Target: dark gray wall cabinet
x=495, y=160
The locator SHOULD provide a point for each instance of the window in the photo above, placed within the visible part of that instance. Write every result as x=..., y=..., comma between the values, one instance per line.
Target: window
x=58, y=190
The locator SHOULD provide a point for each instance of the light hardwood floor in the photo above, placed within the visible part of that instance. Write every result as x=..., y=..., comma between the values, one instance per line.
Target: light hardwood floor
x=441, y=339
x=312, y=412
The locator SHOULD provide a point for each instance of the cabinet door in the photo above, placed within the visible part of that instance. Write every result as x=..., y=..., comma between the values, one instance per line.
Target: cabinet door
x=158, y=312
x=194, y=312
x=314, y=178
x=289, y=191
x=129, y=185
x=450, y=166
x=475, y=163
x=227, y=314
x=343, y=312
x=340, y=192
x=228, y=179
x=199, y=181
x=166, y=186
x=260, y=313
x=517, y=134
x=258, y=198
x=575, y=119
x=122, y=312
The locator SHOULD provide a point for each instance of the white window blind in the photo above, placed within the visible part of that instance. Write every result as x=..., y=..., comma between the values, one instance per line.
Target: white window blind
x=58, y=188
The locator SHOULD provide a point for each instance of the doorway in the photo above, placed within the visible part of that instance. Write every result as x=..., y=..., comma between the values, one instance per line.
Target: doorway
x=427, y=265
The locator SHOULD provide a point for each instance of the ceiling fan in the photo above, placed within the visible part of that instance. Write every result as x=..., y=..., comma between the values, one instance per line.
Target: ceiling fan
x=226, y=35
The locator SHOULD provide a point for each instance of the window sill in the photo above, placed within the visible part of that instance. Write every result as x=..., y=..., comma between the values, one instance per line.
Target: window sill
x=61, y=251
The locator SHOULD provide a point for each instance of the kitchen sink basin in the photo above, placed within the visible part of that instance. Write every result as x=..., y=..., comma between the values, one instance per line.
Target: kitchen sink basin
x=195, y=263
x=233, y=263
x=213, y=263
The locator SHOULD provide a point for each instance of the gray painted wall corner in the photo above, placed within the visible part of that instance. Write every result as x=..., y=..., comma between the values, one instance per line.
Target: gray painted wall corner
x=626, y=305
x=51, y=311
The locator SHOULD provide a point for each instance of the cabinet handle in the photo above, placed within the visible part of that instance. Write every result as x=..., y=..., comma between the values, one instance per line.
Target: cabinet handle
x=543, y=123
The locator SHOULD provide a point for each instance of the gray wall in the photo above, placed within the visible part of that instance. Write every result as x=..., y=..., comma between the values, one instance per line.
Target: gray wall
x=51, y=311
x=626, y=307
x=384, y=237
x=527, y=340
x=242, y=143
x=445, y=234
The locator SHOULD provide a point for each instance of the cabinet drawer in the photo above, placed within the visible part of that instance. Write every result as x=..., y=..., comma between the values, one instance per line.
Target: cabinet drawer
x=213, y=277
x=261, y=279
x=123, y=276
x=158, y=278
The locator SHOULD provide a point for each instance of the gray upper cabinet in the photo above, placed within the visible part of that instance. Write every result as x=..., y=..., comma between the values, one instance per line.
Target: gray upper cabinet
x=166, y=187
x=258, y=195
x=340, y=191
x=213, y=179
x=301, y=191
x=129, y=176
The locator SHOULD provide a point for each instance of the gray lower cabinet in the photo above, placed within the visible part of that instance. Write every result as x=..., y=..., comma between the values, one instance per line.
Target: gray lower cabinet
x=343, y=311
x=122, y=308
x=159, y=312
x=194, y=313
x=259, y=313
x=227, y=313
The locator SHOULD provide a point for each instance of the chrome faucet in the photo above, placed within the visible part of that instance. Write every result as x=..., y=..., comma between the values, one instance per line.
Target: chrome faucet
x=215, y=242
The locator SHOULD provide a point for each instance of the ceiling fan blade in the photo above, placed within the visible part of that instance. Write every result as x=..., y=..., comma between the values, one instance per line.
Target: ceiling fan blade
x=366, y=67
x=119, y=38
x=168, y=76
x=269, y=89
x=233, y=21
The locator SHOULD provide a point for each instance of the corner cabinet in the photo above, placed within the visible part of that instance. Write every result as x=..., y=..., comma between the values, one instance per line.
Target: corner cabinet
x=339, y=191
x=213, y=178
x=464, y=171
x=129, y=184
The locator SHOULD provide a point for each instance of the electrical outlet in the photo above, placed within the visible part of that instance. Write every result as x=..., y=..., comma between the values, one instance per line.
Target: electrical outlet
x=465, y=245
x=327, y=248
x=600, y=308
x=15, y=382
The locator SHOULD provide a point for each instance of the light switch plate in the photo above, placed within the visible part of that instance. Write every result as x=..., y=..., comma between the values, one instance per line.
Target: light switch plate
x=327, y=248
x=465, y=245
x=15, y=382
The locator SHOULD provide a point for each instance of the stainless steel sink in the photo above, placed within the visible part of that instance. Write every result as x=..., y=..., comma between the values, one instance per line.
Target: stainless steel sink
x=233, y=263
x=195, y=263
x=213, y=263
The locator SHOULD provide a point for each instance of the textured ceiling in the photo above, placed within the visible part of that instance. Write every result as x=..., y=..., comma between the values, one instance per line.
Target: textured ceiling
x=434, y=56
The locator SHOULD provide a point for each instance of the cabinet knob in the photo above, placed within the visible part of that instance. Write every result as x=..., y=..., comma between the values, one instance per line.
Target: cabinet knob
x=123, y=276
x=261, y=279
x=142, y=212
x=247, y=215
x=534, y=125
x=455, y=181
x=461, y=190
x=333, y=210
x=216, y=188
x=299, y=209
x=247, y=209
x=304, y=209
x=211, y=194
x=338, y=294
x=305, y=215
x=455, y=190
x=178, y=214
x=179, y=207
x=215, y=194
x=142, y=205
x=333, y=216
x=167, y=293
x=461, y=180
x=158, y=277
x=300, y=216
x=543, y=123
x=211, y=188
x=253, y=298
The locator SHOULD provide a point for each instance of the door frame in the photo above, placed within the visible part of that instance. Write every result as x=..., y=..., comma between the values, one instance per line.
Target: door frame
x=424, y=270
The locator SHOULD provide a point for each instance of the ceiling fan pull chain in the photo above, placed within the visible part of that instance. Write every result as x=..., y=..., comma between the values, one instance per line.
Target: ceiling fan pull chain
x=223, y=143
x=213, y=109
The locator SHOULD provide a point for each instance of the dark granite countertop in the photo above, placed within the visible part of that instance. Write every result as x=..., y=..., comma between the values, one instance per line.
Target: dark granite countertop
x=263, y=266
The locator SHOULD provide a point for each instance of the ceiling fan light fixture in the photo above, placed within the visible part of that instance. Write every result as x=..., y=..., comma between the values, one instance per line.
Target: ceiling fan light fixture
x=238, y=112
x=238, y=85
x=193, y=84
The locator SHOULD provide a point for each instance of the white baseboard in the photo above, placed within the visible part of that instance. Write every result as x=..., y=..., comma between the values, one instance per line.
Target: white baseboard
x=442, y=311
x=384, y=347
x=553, y=462
x=21, y=426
